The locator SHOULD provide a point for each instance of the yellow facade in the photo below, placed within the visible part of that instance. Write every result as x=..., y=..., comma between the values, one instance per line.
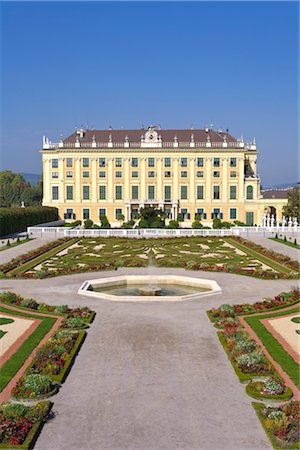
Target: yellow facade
x=214, y=181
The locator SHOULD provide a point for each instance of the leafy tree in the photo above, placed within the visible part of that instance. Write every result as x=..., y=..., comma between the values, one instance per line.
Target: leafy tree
x=104, y=223
x=14, y=189
x=151, y=217
x=292, y=209
x=217, y=223
x=88, y=223
x=128, y=224
x=197, y=224
x=120, y=217
x=173, y=224
x=180, y=218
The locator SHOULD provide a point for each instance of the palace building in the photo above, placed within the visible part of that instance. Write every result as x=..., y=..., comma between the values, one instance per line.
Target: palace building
x=191, y=171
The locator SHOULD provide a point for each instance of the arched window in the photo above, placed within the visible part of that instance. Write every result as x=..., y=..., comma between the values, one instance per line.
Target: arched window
x=249, y=192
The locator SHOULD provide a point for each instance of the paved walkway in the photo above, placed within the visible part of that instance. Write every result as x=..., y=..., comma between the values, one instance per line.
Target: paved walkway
x=151, y=376
x=11, y=253
x=279, y=247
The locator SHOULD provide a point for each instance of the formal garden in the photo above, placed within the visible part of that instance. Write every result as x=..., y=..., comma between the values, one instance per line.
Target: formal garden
x=266, y=360
x=39, y=344
x=226, y=254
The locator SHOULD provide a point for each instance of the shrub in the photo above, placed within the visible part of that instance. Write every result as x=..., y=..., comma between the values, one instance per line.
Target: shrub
x=251, y=362
x=272, y=387
x=61, y=309
x=74, y=322
x=32, y=386
x=29, y=303
x=10, y=297
x=14, y=410
x=227, y=309
x=245, y=346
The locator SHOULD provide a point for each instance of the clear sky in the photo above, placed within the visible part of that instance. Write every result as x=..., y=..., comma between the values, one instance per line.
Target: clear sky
x=176, y=64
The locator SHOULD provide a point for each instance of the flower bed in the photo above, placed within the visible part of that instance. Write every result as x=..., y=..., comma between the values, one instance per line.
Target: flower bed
x=20, y=425
x=269, y=389
x=279, y=257
x=281, y=424
x=56, y=357
x=231, y=311
x=33, y=387
x=20, y=260
x=84, y=313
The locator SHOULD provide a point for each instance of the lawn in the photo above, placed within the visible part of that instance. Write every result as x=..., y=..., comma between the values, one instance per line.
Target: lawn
x=11, y=367
x=275, y=349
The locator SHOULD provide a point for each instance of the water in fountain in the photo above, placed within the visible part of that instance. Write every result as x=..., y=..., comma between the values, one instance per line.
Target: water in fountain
x=151, y=289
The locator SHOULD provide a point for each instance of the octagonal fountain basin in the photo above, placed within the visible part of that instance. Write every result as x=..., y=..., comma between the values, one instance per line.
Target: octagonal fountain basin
x=151, y=288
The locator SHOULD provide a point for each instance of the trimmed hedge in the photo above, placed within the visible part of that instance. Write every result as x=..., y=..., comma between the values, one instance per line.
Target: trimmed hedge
x=18, y=219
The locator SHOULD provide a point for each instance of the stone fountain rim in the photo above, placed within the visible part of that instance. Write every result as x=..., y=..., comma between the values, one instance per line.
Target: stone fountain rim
x=143, y=279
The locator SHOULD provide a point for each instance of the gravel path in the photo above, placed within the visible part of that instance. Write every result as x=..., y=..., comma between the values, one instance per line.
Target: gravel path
x=11, y=253
x=279, y=247
x=151, y=376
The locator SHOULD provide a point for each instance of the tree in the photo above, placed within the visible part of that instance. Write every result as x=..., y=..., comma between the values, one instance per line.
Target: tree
x=151, y=217
x=173, y=224
x=197, y=224
x=120, y=217
x=180, y=218
x=14, y=189
x=88, y=223
x=292, y=209
x=217, y=223
x=104, y=223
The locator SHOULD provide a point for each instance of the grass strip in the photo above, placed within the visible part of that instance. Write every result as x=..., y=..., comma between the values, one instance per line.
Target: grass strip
x=39, y=259
x=278, y=353
x=276, y=444
x=15, y=244
x=282, y=241
x=32, y=436
x=11, y=367
x=262, y=258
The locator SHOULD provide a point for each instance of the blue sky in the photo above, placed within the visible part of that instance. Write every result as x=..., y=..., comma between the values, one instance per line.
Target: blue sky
x=232, y=64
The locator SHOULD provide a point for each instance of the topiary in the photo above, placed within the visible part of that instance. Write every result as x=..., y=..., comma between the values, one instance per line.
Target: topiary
x=29, y=303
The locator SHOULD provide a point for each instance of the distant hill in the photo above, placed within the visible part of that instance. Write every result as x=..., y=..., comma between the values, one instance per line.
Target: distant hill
x=32, y=178
x=282, y=186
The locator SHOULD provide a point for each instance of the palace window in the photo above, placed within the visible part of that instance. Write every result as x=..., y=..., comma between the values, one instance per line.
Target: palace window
x=185, y=214
x=232, y=174
x=167, y=193
x=69, y=174
x=167, y=162
x=118, y=174
x=54, y=192
x=134, y=192
x=85, y=192
x=183, y=162
x=85, y=162
x=118, y=192
x=232, y=213
x=85, y=174
x=134, y=162
x=167, y=174
x=101, y=162
x=200, y=174
x=200, y=213
x=151, y=192
x=183, y=192
x=102, y=212
x=118, y=162
x=216, y=192
x=216, y=162
x=199, y=192
x=69, y=192
x=216, y=174
x=54, y=163
x=54, y=174
x=102, y=192
x=199, y=162
x=232, y=194
x=151, y=162
x=249, y=193
x=249, y=218
x=102, y=174
x=134, y=174
x=232, y=162
x=183, y=174
x=151, y=174
x=86, y=213
x=69, y=162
